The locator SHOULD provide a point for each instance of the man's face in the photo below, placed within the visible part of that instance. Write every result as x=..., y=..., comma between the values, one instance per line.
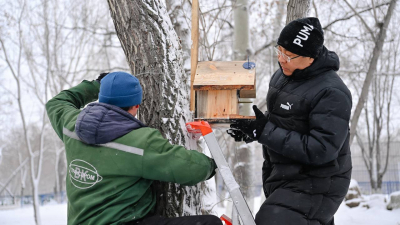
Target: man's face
x=294, y=63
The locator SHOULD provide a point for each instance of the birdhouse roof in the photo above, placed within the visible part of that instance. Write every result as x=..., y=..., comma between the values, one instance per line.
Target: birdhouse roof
x=222, y=75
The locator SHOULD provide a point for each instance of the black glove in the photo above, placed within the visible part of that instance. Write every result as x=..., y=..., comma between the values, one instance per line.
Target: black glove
x=250, y=130
x=214, y=167
x=238, y=135
x=101, y=76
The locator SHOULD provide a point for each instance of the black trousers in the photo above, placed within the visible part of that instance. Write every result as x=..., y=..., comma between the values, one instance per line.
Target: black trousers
x=185, y=220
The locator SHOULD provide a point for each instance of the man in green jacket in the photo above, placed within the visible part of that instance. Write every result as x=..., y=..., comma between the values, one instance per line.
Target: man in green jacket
x=113, y=158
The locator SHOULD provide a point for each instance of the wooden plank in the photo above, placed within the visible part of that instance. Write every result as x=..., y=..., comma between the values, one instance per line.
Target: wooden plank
x=225, y=122
x=234, y=102
x=221, y=75
x=247, y=94
x=202, y=106
x=194, y=51
x=216, y=104
x=237, y=117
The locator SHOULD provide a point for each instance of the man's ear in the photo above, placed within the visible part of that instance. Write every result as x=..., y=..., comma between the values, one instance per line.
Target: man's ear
x=311, y=60
x=136, y=106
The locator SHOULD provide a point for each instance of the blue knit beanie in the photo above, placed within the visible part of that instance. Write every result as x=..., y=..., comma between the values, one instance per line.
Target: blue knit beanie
x=120, y=89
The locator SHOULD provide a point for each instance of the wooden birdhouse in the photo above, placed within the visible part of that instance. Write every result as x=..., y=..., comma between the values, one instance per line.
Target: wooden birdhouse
x=219, y=85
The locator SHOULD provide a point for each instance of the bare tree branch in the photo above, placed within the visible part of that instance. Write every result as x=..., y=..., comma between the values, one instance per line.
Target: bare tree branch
x=374, y=10
x=315, y=8
x=265, y=46
x=362, y=20
x=352, y=15
x=13, y=174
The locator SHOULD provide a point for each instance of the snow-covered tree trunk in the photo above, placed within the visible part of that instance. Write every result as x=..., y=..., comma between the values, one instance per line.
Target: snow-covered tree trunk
x=154, y=56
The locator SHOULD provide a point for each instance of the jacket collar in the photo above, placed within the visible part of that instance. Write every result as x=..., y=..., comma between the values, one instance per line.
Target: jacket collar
x=101, y=123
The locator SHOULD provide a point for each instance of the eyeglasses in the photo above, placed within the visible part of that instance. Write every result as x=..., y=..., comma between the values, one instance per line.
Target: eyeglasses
x=285, y=57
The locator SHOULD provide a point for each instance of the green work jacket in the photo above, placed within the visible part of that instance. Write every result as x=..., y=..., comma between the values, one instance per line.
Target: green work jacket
x=111, y=183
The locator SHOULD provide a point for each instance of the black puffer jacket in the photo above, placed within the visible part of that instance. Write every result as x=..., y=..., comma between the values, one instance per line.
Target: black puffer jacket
x=307, y=167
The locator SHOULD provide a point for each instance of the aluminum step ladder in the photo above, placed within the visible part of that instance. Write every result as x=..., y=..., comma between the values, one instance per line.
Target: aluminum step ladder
x=203, y=128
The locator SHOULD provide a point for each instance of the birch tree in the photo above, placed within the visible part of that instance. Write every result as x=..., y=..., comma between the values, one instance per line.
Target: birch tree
x=154, y=56
x=35, y=169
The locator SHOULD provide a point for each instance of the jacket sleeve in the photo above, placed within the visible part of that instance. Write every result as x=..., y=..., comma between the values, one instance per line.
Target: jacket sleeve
x=65, y=106
x=329, y=127
x=173, y=163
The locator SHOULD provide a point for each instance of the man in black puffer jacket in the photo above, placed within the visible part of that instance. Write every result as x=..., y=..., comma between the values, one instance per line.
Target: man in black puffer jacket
x=305, y=133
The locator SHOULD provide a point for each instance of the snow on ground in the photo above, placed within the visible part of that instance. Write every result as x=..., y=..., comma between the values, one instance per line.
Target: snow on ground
x=364, y=216
x=51, y=214
x=56, y=214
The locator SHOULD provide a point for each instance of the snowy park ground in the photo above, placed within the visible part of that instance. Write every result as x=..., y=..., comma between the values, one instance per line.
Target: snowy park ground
x=56, y=214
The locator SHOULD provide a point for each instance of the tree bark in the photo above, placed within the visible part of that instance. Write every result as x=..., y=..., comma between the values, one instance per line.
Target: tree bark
x=371, y=70
x=154, y=55
x=176, y=11
x=297, y=9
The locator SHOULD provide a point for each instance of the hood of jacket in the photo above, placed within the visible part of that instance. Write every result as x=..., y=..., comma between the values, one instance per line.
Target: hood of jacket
x=101, y=123
x=326, y=60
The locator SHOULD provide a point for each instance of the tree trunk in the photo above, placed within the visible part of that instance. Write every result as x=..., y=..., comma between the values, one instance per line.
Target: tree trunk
x=277, y=30
x=154, y=56
x=371, y=70
x=297, y=9
x=22, y=196
x=241, y=46
x=242, y=155
x=57, y=188
x=176, y=11
x=36, y=201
